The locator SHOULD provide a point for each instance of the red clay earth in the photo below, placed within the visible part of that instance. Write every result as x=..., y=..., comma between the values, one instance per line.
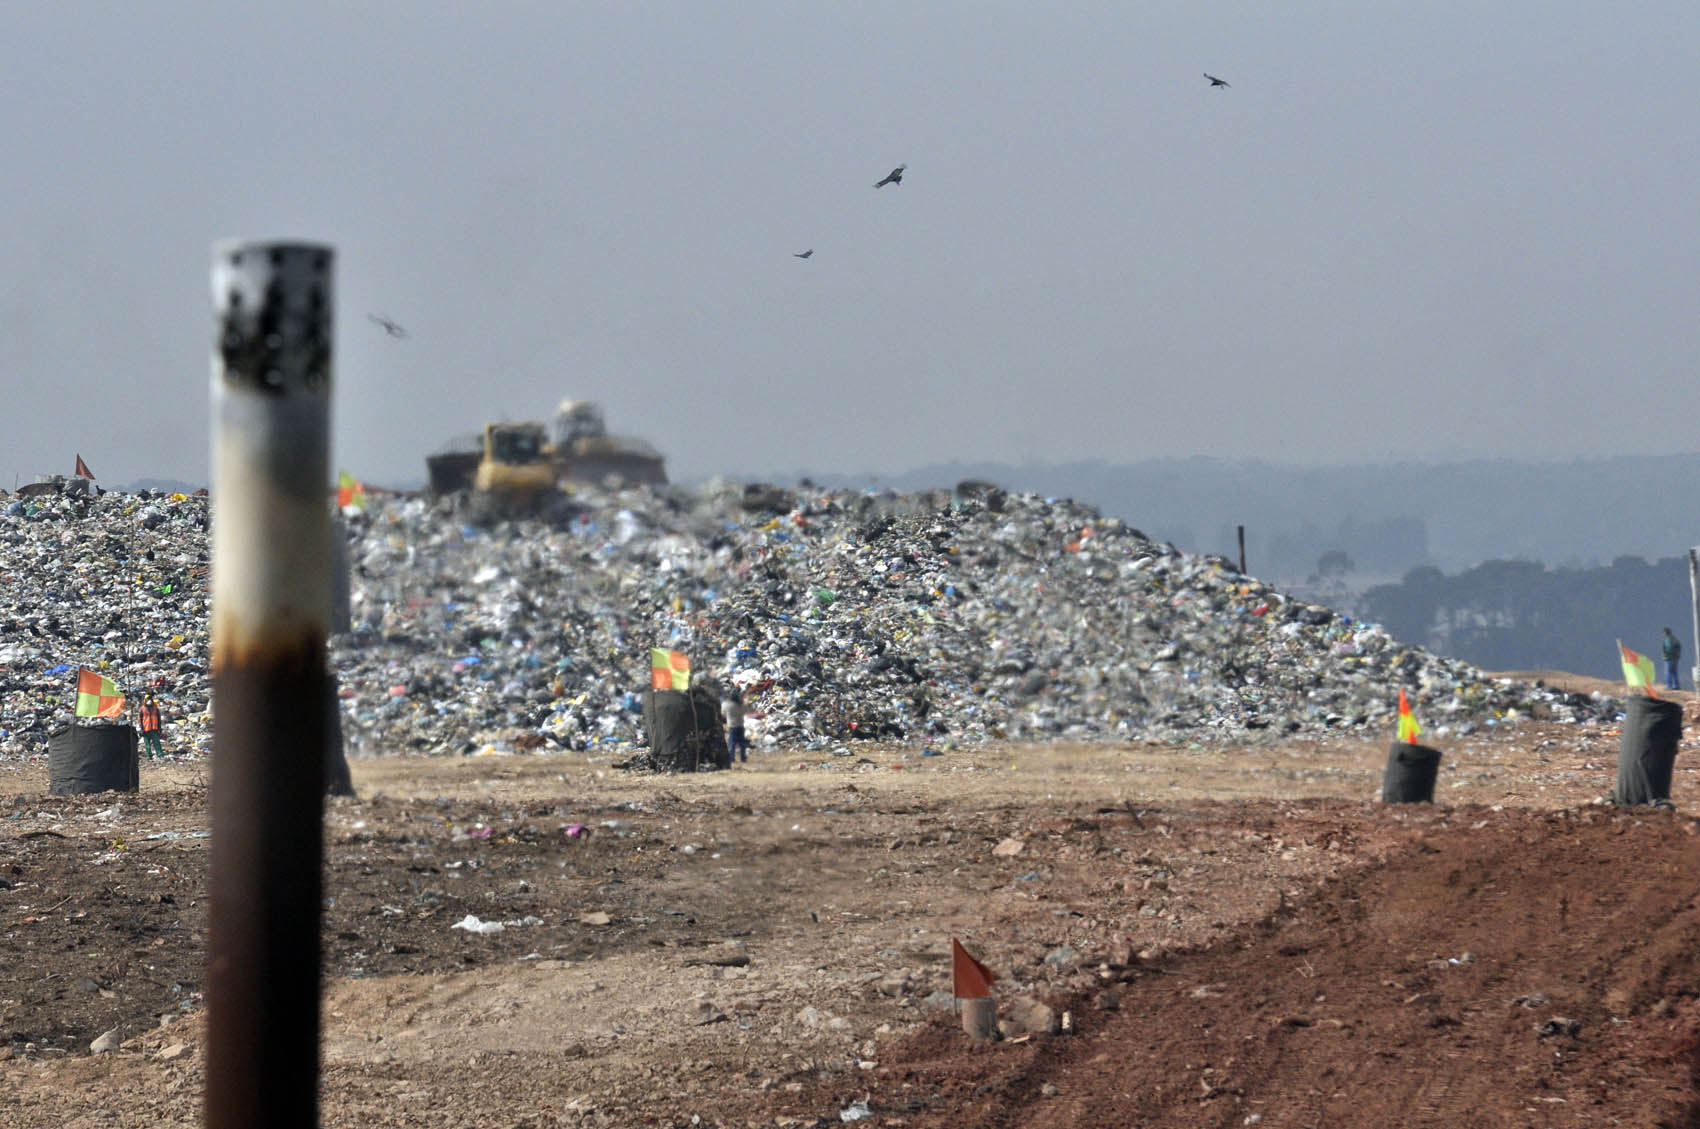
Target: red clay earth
x=1508, y=968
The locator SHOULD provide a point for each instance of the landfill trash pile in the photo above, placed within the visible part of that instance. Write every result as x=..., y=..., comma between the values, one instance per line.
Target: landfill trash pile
x=933, y=618
x=116, y=583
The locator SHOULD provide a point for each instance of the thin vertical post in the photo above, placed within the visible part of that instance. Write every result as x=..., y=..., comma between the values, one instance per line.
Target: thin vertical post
x=1242, y=550
x=1694, y=595
x=271, y=385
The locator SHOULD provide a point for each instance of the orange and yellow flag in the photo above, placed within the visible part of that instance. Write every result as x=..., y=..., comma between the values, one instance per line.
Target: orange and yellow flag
x=98, y=695
x=1408, y=727
x=1637, y=669
x=669, y=670
x=349, y=491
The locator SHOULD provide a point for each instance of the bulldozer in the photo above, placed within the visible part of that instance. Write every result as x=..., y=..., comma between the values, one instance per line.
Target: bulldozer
x=515, y=476
x=515, y=467
x=584, y=452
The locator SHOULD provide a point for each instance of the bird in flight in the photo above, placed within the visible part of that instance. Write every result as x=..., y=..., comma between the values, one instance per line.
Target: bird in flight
x=390, y=327
x=802, y=254
x=895, y=176
x=1214, y=81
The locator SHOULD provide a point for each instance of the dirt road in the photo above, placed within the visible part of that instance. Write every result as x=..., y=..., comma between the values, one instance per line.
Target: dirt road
x=1237, y=937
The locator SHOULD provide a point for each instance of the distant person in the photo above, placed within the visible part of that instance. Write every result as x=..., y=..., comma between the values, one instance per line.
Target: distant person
x=737, y=745
x=1672, y=649
x=151, y=727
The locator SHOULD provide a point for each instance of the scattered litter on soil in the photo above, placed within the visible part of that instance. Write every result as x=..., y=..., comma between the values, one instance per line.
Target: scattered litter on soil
x=1225, y=934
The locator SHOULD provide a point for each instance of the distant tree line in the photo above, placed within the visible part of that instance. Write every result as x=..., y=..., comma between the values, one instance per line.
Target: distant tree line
x=1380, y=545
x=1521, y=615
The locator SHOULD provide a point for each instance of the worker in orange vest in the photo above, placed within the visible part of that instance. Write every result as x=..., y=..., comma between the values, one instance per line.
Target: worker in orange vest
x=151, y=727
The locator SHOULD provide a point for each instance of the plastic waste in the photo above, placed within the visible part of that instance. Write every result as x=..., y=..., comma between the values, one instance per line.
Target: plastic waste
x=847, y=617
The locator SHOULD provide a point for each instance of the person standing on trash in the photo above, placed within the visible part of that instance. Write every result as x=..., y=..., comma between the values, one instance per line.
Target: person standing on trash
x=737, y=746
x=150, y=726
x=1671, y=647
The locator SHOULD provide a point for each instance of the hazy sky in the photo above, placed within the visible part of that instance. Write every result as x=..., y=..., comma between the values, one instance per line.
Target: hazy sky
x=1456, y=228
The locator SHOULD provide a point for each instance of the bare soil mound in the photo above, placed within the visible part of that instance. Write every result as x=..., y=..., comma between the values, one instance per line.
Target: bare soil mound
x=1515, y=969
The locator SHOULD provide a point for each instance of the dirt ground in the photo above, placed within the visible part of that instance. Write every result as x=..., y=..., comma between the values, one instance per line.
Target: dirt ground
x=1234, y=937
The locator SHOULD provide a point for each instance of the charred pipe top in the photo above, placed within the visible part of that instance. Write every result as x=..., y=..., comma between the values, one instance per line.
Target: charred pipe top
x=273, y=304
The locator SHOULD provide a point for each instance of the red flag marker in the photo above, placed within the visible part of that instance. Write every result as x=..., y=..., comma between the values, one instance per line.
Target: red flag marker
x=969, y=979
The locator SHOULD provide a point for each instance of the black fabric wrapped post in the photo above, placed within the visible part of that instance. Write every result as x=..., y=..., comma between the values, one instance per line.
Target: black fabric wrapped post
x=1410, y=774
x=338, y=781
x=92, y=758
x=686, y=730
x=1647, y=753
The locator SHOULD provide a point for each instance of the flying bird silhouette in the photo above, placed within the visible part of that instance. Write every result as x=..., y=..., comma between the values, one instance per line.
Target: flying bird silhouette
x=390, y=327
x=895, y=176
x=802, y=254
x=1214, y=81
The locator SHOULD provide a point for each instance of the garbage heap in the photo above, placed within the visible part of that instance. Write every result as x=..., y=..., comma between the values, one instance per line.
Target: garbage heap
x=948, y=616
x=116, y=583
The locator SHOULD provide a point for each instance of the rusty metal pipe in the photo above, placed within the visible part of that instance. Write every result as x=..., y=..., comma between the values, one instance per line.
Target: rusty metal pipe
x=271, y=387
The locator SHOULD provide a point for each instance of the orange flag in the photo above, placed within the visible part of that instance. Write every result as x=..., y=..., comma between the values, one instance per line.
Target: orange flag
x=969, y=979
x=83, y=470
